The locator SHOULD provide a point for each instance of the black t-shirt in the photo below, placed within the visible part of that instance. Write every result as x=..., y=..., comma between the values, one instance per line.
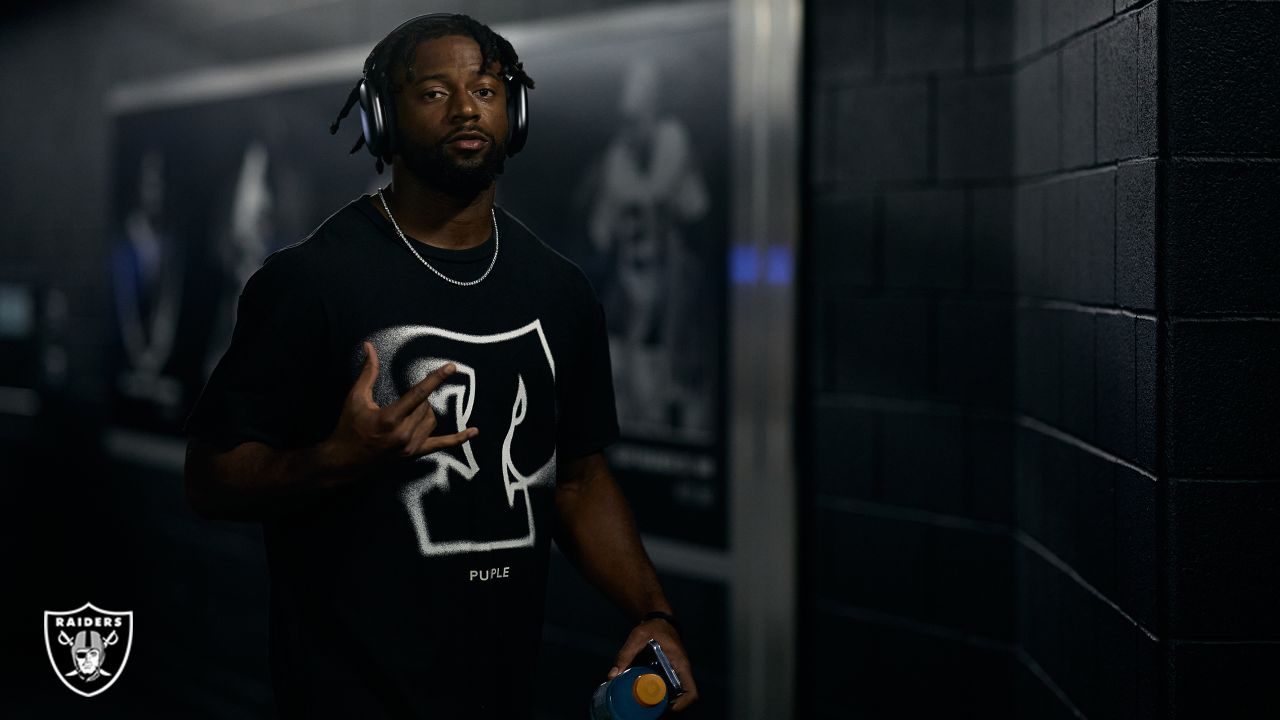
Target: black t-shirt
x=419, y=592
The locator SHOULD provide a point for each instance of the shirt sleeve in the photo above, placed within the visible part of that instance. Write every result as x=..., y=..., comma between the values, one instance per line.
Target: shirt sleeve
x=266, y=386
x=588, y=416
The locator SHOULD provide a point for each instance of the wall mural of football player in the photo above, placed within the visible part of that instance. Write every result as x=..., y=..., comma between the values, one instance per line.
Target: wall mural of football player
x=147, y=269
x=250, y=229
x=647, y=188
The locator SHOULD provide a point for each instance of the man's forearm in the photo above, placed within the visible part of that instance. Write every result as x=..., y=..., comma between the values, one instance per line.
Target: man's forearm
x=255, y=481
x=598, y=533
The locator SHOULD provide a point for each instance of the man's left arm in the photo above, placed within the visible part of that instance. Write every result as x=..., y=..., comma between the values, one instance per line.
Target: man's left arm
x=597, y=532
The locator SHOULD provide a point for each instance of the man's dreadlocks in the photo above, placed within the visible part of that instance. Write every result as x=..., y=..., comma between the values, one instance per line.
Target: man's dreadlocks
x=399, y=48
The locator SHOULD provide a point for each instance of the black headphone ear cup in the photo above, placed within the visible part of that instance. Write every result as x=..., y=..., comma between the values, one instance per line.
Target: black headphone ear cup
x=376, y=121
x=517, y=116
x=387, y=106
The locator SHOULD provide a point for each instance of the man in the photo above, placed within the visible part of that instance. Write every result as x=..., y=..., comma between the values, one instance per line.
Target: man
x=414, y=401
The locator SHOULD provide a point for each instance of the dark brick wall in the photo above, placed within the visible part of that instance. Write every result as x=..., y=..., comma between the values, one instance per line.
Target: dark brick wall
x=909, y=602
x=1086, y=483
x=1220, y=349
x=1040, y=340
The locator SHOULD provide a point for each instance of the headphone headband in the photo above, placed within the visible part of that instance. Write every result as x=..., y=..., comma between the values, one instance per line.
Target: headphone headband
x=369, y=62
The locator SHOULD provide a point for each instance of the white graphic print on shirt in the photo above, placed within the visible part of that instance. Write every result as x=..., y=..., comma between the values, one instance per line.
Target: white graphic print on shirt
x=475, y=497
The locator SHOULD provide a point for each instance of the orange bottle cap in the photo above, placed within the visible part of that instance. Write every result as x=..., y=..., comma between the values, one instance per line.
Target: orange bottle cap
x=649, y=690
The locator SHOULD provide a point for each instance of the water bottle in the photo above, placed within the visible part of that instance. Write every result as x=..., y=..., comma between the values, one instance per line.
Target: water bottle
x=636, y=693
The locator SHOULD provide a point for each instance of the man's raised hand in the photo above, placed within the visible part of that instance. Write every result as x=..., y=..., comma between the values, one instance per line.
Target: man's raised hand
x=367, y=433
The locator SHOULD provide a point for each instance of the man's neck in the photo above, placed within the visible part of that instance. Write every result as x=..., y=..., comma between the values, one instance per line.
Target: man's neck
x=437, y=218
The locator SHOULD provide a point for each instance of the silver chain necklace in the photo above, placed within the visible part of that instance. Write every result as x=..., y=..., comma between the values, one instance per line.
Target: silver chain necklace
x=423, y=260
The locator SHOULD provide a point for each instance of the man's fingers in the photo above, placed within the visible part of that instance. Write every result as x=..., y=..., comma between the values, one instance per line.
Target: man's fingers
x=681, y=665
x=420, y=424
x=636, y=642
x=628, y=653
x=688, y=698
x=435, y=442
x=420, y=392
x=363, y=386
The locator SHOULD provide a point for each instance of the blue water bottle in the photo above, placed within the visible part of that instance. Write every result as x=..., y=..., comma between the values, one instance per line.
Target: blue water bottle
x=636, y=693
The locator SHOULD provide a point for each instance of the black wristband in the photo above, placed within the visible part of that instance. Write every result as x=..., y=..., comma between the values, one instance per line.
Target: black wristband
x=659, y=615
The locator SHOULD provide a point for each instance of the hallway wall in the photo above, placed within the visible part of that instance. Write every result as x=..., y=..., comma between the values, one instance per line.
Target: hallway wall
x=1218, y=261
x=908, y=390
x=1115, y=161
x=1086, y=478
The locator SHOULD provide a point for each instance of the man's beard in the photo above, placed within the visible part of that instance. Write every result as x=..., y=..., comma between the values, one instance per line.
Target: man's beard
x=450, y=174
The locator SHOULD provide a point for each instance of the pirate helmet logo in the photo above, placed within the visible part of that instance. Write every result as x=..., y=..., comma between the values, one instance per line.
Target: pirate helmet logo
x=88, y=647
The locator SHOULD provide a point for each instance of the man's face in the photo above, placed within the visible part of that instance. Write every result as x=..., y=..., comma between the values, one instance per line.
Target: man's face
x=87, y=660
x=451, y=116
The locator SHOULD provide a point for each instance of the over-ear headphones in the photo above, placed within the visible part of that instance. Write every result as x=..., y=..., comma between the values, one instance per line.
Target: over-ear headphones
x=377, y=107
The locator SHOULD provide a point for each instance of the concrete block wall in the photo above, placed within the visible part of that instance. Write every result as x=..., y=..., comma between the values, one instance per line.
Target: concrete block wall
x=1145, y=481
x=908, y=360
x=1221, y=345
x=1040, y=337
x=1086, y=484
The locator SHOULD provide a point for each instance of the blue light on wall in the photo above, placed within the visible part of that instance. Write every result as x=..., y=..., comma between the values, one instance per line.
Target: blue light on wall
x=747, y=268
